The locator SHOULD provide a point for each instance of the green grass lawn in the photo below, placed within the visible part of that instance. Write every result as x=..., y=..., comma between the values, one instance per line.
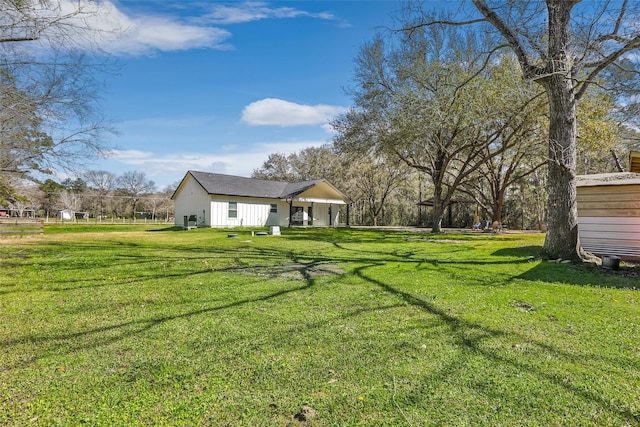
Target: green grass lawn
x=134, y=325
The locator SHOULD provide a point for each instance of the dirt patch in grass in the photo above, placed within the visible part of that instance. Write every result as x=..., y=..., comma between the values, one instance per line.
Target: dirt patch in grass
x=294, y=270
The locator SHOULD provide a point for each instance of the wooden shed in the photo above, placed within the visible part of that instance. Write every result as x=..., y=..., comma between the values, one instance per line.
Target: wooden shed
x=609, y=214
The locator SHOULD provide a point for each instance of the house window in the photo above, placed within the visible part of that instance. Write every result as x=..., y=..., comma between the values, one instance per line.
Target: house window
x=274, y=208
x=233, y=209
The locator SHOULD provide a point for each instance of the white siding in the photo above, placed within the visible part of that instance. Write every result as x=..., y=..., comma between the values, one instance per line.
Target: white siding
x=191, y=200
x=611, y=236
x=609, y=219
x=320, y=215
x=252, y=212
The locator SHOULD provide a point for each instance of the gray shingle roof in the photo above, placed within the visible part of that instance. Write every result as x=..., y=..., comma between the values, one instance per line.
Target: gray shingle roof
x=228, y=185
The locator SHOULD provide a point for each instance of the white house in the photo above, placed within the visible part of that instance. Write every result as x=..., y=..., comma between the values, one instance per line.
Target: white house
x=214, y=200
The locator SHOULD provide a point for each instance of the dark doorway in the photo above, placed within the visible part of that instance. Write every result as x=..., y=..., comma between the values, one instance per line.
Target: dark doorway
x=298, y=215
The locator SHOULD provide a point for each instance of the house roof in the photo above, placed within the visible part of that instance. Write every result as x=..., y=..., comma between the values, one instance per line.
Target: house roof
x=229, y=185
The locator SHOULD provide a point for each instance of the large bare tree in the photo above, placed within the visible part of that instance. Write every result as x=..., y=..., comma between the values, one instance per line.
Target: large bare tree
x=49, y=86
x=134, y=186
x=564, y=45
x=101, y=184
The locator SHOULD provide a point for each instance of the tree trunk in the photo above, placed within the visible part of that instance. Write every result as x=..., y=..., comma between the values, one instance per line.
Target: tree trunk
x=438, y=210
x=498, y=203
x=562, y=231
x=562, y=235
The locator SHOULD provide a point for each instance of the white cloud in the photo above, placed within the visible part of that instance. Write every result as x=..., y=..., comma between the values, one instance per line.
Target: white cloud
x=277, y=112
x=163, y=34
x=255, y=11
x=129, y=156
x=168, y=168
x=149, y=33
x=103, y=25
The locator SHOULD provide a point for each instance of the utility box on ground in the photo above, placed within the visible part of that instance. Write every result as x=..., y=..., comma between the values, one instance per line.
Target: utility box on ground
x=190, y=221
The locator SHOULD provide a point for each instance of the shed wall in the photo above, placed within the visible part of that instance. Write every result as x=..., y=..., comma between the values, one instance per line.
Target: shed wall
x=609, y=220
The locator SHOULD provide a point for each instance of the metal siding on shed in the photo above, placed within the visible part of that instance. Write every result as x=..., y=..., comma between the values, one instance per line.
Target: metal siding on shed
x=609, y=220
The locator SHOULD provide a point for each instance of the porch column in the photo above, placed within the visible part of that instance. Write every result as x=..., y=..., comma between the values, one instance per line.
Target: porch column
x=330, y=215
x=290, y=212
x=348, y=206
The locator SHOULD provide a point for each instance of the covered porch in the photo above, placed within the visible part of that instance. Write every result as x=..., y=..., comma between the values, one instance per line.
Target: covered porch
x=318, y=206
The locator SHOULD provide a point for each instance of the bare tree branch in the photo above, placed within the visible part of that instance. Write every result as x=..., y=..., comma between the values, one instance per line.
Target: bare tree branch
x=530, y=71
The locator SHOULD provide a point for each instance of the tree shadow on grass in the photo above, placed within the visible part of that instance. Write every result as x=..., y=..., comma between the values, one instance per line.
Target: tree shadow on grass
x=71, y=342
x=519, y=251
x=471, y=335
x=169, y=228
x=105, y=264
x=581, y=274
x=585, y=274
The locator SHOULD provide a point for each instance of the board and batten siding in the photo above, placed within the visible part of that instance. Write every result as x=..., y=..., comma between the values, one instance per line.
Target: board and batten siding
x=609, y=217
x=192, y=200
x=321, y=214
x=251, y=212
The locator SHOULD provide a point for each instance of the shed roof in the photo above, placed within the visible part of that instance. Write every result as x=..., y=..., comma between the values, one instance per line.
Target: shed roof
x=618, y=178
x=229, y=185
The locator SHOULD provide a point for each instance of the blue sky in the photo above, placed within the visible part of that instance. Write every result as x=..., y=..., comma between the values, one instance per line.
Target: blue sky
x=218, y=86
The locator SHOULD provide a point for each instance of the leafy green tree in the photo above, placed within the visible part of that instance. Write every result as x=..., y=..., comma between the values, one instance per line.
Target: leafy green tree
x=277, y=167
x=431, y=99
x=599, y=134
x=76, y=186
x=565, y=46
x=21, y=138
x=307, y=164
x=376, y=180
x=367, y=180
x=525, y=142
x=51, y=194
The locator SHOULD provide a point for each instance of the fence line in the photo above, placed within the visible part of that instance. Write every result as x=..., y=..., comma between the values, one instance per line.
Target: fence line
x=21, y=226
x=107, y=221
